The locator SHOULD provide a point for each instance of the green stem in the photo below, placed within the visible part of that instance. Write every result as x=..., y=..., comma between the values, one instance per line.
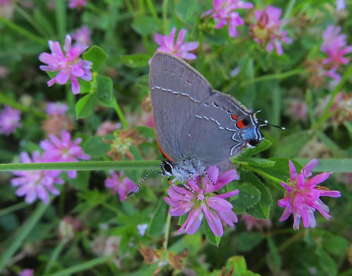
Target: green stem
x=13, y=208
x=273, y=77
x=167, y=230
x=60, y=12
x=22, y=31
x=165, y=2
x=121, y=116
x=8, y=101
x=23, y=233
x=31, y=21
x=83, y=266
x=55, y=255
x=81, y=166
x=154, y=14
x=326, y=114
x=93, y=8
x=264, y=174
x=287, y=13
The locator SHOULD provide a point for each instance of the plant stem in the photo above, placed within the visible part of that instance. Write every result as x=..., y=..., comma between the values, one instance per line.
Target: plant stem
x=153, y=12
x=30, y=20
x=8, y=101
x=273, y=77
x=22, y=234
x=165, y=23
x=60, y=12
x=167, y=230
x=287, y=13
x=264, y=174
x=13, y=208
x=121, y=116
x=22, y=31
x=326, y=114
x=81, y=166
x=83, y=266
x=54, y=255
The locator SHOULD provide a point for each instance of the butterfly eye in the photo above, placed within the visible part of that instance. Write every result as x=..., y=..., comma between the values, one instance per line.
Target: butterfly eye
x=253, y=142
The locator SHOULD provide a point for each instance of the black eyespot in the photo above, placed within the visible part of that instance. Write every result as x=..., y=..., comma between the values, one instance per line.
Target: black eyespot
x=253, y=142
x=246, y=121
x=167, y=167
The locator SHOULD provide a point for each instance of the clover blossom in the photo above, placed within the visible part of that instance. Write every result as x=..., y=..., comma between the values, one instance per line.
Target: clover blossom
x=56, y=108
x=82, y=36
x=64, y=150
x=223, y=13
x=35, y=183
x=119, y=184
x=303, y=196
x=204, y=201
x=254, y=222
x=335, y=46
x=167, y=44
x=73, y=4
x=27, y=272
x=267, y=30
x=9, y=120
x=69, y=65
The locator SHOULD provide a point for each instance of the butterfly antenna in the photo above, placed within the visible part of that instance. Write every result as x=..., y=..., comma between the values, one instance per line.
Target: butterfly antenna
x=266, y=123
x=140, y=183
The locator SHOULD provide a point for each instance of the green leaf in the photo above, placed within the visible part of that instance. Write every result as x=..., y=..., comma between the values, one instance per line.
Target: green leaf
x=238, y=263
x=146, y=132
x=335, y=245
x=96, y=147
x=248, y=152
x=214, y=240
x=327, y=263
x=246, y=241
x=104, y=90
x=156, y=224
x=145, y=25
x=85, y=105
x=260, y=210
x=186, y=10
x=81, y=182
x=281, y=170
x=348, y=125
x=96, y=55
x=248, y=196
x=273, y=257
x=134, y=61
x=257, y=162
x=85, y=86
x=291, y=145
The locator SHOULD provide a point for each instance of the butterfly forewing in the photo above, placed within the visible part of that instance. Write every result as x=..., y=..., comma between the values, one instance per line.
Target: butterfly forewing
x=177, y=91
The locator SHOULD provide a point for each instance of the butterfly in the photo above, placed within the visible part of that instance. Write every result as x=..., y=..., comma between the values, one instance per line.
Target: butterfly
x=195, y=126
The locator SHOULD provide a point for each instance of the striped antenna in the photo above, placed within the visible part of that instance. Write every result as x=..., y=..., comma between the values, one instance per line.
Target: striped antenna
x=140, y=183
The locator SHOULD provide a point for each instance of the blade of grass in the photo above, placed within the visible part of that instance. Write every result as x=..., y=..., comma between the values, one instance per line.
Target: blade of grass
x=21, y=236
x=22, y=31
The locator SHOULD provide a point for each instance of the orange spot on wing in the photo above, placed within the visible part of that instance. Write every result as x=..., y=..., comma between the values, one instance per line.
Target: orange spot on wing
x=234, y=117
x=240, y=124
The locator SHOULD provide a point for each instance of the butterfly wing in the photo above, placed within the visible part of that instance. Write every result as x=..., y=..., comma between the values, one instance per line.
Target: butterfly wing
x=218, y=129
x=176, y=91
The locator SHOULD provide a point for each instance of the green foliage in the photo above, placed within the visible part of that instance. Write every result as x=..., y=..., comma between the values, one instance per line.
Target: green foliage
x=97, y=56
x=134, y=61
